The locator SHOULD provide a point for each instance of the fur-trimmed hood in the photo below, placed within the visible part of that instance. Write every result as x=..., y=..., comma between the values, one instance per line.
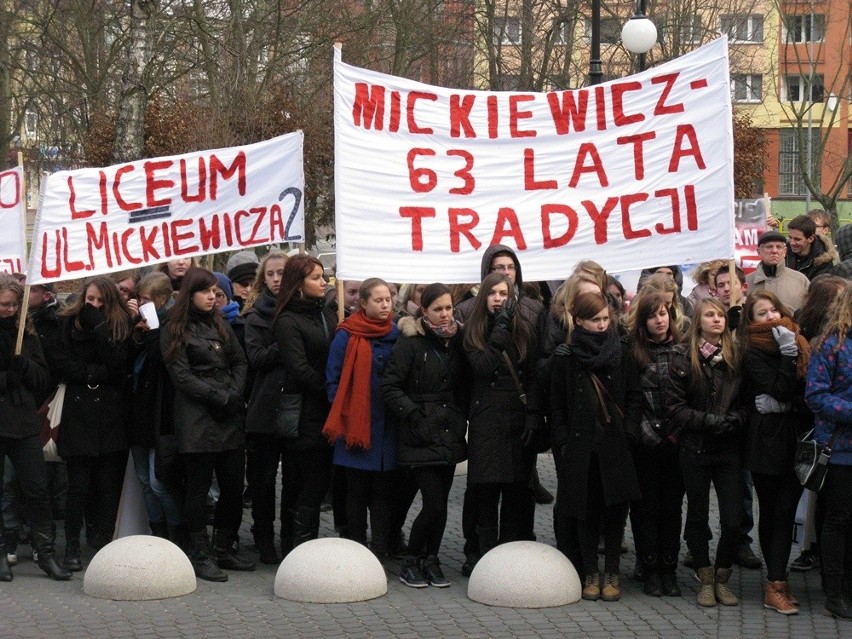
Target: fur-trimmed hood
x=411, y=326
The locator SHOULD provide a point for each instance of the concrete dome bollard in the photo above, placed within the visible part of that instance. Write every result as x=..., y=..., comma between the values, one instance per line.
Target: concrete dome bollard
x=330, y=570
x=461, y=469
x=139, y=568
x=524, y=574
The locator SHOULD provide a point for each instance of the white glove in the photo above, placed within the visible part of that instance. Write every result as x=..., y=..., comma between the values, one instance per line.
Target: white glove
x=766, y=404
x=786, y=340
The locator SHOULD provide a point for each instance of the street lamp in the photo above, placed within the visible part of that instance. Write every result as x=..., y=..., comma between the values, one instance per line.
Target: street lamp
x=639, y=36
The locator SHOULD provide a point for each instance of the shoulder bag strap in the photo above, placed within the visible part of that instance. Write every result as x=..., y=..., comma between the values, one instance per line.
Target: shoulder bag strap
x=521, y=393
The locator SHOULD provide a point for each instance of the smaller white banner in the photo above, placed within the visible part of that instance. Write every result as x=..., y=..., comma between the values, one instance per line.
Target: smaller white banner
x=100, y=220
x=13, y=247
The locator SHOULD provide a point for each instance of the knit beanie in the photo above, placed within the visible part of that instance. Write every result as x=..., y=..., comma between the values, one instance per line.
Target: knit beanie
x=242, y=267
x=843, y=241
x=225, y=284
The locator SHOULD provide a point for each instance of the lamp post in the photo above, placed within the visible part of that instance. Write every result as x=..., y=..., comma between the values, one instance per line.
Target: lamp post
x=638, y=35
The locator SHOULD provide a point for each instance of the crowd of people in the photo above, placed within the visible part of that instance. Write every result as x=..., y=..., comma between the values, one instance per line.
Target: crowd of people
x=215, y=381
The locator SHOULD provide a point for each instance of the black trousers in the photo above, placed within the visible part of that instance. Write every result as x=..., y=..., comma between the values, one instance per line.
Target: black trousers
x=778, y=496
x=427, y=530
x=722, y=470
x=230, y=474
x=269, y=452
x=31, y=473
x=602, y=520
x=100, y=480
x=504, y=505
x=657, y=518
x=307, y=476
x=837, y=526
x=406, y=491
x=370, y=491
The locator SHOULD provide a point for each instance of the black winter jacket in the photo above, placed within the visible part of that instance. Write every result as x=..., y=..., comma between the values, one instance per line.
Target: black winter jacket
x=688, y=401
x=426, y=386
x=206, y=370
x=264, y=363
x=771, y=438
x=304, y=332
x=95, y=369
x=18, y=400
x=579, y=429
x=46, y=322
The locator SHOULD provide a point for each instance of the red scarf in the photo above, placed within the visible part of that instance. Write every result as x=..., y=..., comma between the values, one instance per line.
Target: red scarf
x=350, y=412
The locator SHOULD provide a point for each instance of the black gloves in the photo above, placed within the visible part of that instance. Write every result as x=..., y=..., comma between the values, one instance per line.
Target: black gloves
x=506, y=314
x=721, y=424
x=90, y=317
x=563, y=350
x=532, y=426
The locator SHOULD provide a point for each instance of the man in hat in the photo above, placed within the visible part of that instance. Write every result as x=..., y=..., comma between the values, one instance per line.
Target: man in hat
x=771, y=274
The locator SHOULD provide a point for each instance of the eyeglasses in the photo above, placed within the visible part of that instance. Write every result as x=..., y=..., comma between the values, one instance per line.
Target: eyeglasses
x=504, y=268
x=9, y=305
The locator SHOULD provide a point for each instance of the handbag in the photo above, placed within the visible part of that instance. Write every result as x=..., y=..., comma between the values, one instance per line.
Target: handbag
x=50, y=414
x=286, y=424
x=811, y=460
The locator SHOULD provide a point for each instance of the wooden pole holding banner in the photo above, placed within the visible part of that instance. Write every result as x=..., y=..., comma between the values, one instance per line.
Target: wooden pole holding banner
x=736, y=289
x=340, y=300
x=25, y=303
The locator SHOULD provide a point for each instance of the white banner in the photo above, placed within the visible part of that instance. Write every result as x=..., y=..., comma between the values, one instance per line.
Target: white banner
x=94, y=221
x=631, y=173
x=13, y=246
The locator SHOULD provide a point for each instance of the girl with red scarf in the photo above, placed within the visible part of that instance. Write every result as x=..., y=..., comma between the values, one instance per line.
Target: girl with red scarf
x=364, y=440
x=775, y=361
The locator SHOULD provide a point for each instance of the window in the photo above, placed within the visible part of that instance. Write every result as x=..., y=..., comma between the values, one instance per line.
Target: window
x=800, y=88
x=742, y=27
x=610, y=30
x=805, y=28
x=789, y=173
x=31, y=123
x=746, y=88
x=507, y=30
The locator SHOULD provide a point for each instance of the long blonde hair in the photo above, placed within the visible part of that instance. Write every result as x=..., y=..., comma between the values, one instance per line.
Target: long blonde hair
x=563, y=299
x=730, y=352
x=662, y=283
x=839, y=320
x=256, y=289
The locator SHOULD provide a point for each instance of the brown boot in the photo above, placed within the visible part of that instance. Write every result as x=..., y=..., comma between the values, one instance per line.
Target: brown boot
x=775, y=598
x=611, y=590
x=707, y=593
x=723, y=593
x=592, y=587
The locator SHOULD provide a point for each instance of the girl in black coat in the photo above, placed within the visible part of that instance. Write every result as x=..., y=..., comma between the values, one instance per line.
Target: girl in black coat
x=656, y=517
x=151, y=423
x=424, y=385
x=704, y=401
x=593, y=396
x=93, y=438
x=23, y=377
x=303, y=331
x=208, y=370
x=775, y=362
x=502, y=418
x=265, y=378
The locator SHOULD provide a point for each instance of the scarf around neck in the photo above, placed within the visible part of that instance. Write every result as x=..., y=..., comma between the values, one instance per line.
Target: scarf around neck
x=350, y=415
x=596, y=351
x=445, y=332
x=759, y=335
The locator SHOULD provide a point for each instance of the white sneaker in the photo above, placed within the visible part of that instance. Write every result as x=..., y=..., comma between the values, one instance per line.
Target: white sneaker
x=12, y=558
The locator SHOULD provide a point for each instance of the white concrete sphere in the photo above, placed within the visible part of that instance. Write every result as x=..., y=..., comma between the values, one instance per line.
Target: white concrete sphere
x=330, y=570
x=139, y=568
x=524, y=574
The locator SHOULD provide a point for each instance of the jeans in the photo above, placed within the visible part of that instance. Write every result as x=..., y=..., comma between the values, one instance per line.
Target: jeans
x=778, y=496
x=98, y=481
x=27, y=459
x=657, y=516
x=722, y=470
x=747, y=524
x=159, y=501
x=427, y=530
x=837, y=526
x=230, y=471
x=373, y=491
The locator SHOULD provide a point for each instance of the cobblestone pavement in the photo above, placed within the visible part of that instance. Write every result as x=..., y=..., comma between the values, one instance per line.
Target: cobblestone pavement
x=245, y=606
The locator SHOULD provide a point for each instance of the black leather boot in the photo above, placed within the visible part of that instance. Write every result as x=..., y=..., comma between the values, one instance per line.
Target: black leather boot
x=226, y=556
x=43, y=545
x=5, y=571
x=264, y=541
x=487, y=538
x=305, y=525
x=652, y=585
x=202, y=563
x=837, y=603
x=287, y=521
x=72, y=560
x=668, y=574
x=159, y=529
